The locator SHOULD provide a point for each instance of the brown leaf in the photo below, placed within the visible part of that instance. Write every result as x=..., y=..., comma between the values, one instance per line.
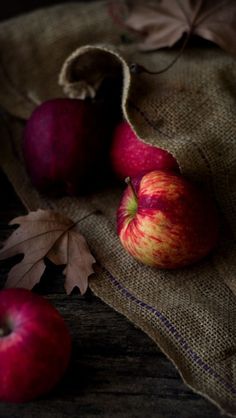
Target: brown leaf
x=163, y=22
x=47, y=234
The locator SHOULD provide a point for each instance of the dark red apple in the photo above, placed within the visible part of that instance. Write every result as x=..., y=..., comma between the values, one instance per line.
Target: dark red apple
x=131, y=157
x=35, y=346
x=64, y=146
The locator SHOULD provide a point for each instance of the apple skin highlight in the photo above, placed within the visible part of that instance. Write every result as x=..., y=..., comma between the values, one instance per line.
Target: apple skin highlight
x=35, y=346
x=131, y=157
x=165, y=221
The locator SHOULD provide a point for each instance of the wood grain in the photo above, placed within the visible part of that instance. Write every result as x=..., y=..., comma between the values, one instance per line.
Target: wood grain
x=115, y=369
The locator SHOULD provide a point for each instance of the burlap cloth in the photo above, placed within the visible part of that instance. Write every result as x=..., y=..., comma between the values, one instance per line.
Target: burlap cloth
x=190, y=110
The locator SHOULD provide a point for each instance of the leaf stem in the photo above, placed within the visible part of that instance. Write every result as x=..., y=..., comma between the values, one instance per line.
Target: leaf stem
x=94, y=212
x=136, y=68
x=69, y=228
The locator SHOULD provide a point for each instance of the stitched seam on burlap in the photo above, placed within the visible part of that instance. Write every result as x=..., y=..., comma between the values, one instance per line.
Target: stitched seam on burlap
x=173, y=331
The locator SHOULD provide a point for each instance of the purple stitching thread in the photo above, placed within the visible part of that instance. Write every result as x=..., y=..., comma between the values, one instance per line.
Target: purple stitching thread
x=173, y=331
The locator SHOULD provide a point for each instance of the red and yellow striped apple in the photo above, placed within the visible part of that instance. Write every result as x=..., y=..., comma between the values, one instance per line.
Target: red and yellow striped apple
x=165, y=221
x=131, y=157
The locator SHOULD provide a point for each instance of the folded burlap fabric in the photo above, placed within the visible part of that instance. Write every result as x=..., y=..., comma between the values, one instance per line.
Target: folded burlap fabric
x=190, y=111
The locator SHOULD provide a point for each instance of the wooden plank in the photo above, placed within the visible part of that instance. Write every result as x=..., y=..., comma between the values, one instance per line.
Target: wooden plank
x=115, y=369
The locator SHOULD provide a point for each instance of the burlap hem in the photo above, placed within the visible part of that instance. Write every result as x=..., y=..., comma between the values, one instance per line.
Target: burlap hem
x=164, y=351
x=190, y=113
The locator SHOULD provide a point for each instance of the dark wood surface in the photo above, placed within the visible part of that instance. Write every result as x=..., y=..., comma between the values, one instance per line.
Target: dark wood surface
x=115, y=369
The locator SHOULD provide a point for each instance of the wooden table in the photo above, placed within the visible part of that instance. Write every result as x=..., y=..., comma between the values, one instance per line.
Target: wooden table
x=115, y=369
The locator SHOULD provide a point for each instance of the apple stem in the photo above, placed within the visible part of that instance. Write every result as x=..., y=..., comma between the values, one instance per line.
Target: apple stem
x=129, y=182
x=4, y=331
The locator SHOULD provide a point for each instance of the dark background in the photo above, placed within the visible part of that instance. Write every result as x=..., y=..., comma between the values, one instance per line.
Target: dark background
x=116, y=370
x=15, y=7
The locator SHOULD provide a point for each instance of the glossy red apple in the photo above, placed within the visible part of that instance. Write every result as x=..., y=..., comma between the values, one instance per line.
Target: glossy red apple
x=65, y=143
x=131, y=157
x=35, y=346
x=165, y=221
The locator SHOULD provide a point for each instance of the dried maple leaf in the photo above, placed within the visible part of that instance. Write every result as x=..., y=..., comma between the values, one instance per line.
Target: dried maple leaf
x=46, y=233
x=163, y=22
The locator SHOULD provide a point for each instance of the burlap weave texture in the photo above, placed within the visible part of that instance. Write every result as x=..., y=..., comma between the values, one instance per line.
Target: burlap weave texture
x=190, y=110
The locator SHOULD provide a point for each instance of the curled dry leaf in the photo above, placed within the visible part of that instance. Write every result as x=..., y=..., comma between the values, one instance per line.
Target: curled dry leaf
x=46, y=233
x=163, y=22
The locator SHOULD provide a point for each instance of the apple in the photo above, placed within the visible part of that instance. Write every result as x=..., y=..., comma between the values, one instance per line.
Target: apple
x=35, y=345
x=65, y=146
x=131, y=157
x=165, y=221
